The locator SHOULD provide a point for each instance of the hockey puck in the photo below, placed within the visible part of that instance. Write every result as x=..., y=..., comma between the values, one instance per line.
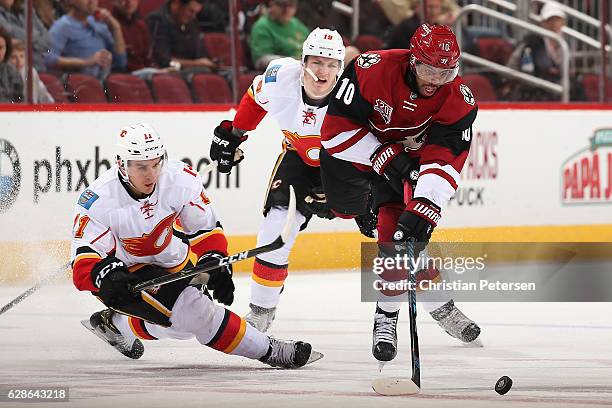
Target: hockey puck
x=503, y=385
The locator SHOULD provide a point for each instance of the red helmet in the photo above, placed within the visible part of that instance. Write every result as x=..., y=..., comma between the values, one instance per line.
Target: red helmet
x=435, y=45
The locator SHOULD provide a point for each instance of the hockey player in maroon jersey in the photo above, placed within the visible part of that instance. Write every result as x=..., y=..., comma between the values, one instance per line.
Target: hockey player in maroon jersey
x=395, y=117
x=146, y=217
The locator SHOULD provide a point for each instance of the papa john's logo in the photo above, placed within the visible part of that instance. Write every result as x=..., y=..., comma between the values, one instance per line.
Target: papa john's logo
x=10, y=175
x=586, y=177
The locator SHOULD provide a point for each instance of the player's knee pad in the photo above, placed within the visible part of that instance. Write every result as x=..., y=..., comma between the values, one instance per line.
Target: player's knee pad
x=388, y=214
x=193, y=311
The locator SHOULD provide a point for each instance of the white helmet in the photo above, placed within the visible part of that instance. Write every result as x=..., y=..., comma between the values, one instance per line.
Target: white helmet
x=322, y=42
x=138, y=142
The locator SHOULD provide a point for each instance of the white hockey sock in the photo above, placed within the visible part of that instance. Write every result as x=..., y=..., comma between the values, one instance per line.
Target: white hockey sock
x=264, y=296
x=270, y=269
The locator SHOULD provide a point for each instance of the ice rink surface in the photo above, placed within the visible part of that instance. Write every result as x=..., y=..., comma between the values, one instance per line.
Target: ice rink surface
x=558, y=354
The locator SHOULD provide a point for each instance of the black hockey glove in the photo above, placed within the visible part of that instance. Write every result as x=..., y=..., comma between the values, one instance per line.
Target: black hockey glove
x=417, y=222
x=220, y=281
x=224, y=147
x=392, y=162
x=367, y=222
x=317, y=203
x=112, y=278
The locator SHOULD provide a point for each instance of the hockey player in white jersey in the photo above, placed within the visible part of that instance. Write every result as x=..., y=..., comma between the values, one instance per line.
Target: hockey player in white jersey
x=148, y=216
x=296, y=94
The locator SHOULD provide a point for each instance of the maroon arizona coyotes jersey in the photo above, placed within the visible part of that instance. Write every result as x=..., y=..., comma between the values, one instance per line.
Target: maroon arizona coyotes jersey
x=372, y=103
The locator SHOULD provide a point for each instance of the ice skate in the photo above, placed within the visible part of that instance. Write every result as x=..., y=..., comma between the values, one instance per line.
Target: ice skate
x=260, y=318
x=384, y=336
x=101, y=324
x=290, y=354
x=455, y=323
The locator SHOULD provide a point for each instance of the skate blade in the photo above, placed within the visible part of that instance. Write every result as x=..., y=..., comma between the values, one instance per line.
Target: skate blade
x=395, y=386
x=88, y=326
x=314, y=356
x=476, y=343
x=381, y=365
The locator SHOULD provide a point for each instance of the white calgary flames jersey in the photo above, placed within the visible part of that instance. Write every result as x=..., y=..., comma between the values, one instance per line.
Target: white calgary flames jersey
x=279, y=91
x=167, y=228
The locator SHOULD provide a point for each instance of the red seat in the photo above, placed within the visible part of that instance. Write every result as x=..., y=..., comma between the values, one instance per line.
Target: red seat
x=590, y=82
x=55, y=87
x=211, y=88
x=481, y=86
x=107, y=4
x=245, y=80
x=147, y=6
x=494, y=49
x=170, y=88
x=85, y=89
x=218, y=45
x=125, y=88
x=366, y=42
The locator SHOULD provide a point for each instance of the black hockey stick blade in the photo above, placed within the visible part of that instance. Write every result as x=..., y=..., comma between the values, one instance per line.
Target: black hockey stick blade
x=230, y=259
x=34, y=288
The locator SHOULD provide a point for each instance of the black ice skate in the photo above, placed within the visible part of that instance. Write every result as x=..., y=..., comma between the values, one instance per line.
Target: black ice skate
x=290, y=354
x=101, y=324
x=260, y=318
x=384, y=335
x=455, y=323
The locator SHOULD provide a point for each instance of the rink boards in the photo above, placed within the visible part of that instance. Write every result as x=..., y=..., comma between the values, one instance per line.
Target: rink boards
x=532, y=175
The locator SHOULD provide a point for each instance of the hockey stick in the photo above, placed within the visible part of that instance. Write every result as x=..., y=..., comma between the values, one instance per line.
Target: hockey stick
x=230, y=259
x=34, y=288
x=399, y=385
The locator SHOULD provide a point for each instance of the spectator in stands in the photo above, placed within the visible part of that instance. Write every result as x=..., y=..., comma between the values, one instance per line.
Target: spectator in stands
x=87, y=42
x=40, y=94
x=176, y=36
x=442, y=12
x=135, y=32
x=45, y=10
x=277, y=34
x=215, y=16
x=541, y=57
x=12, y=18
x=11, y=85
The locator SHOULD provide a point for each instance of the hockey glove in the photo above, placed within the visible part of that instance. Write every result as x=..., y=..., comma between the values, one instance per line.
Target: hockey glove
x=224, y=147
x=220, y=281
x=112, y=278
x=367, y=222
x=392, y=162
x=417, y=222
x=317, y=203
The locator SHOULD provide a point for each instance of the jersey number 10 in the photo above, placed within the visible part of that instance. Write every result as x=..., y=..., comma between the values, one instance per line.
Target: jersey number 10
x=348, y=90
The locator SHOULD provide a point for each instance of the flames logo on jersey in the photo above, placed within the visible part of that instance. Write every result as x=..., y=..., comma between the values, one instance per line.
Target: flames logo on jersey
x=149, y=244
x=310, y=117
x=365, y=61
x=307, y=147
